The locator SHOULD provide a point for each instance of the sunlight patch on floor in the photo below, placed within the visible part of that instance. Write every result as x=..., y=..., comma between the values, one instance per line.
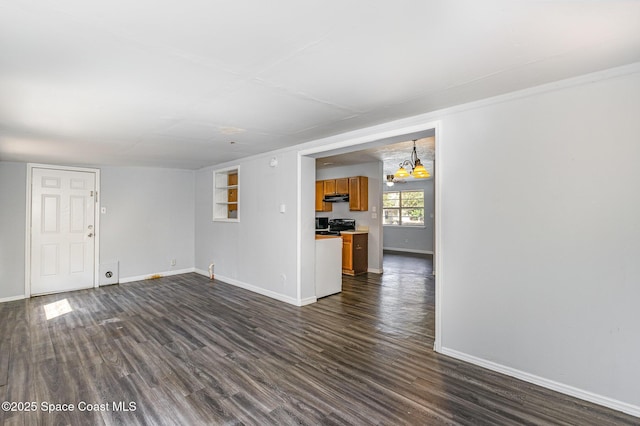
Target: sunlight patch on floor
x=55, y=309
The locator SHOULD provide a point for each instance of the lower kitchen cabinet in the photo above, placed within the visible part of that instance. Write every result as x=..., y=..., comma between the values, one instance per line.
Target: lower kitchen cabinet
x=355, y=253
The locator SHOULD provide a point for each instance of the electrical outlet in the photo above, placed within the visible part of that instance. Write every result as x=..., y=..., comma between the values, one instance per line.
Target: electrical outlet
x=173, y=262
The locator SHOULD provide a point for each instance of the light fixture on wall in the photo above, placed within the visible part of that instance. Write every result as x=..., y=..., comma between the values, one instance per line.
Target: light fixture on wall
x=417, y=170
x=392, y=180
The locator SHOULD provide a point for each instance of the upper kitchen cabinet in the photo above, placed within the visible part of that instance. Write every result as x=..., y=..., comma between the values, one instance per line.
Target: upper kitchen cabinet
x=321, y=206
x=357, y=188
x=328, y=187
x=342, y=186
x=359, y=193
x=336, y=186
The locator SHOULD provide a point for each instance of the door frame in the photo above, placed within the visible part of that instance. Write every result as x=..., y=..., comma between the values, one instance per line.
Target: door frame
x=400, y=130
x=27, y=245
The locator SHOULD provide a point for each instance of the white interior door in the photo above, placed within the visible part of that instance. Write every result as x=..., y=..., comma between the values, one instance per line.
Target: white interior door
x=62, y=230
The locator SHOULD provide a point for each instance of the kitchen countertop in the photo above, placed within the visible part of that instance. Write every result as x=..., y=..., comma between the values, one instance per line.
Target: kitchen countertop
x=324, y=237
x=354, y=232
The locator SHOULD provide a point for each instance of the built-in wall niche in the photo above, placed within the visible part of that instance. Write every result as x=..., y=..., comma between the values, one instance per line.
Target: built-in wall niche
x=226, y=200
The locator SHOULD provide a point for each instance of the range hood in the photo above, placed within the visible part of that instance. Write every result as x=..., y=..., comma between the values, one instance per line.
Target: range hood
x=336, y=198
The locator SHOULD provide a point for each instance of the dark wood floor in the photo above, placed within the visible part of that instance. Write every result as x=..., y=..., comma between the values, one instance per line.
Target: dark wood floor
x=187, y=351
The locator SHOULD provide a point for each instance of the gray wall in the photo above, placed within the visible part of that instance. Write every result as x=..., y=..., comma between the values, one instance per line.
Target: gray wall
x=539, y=232
x=259, y=252
x=149, y=219
x=341, y=210
x=13, y=190
x=412, y=239
x=541, y=237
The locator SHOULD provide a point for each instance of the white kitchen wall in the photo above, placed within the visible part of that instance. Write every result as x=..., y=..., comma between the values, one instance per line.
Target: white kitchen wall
x=13, y=190
x=412, y=239
x=341, y=210
x=149, y=220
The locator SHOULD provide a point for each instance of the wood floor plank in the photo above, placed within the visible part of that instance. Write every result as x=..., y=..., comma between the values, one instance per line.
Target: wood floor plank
x=187, y=350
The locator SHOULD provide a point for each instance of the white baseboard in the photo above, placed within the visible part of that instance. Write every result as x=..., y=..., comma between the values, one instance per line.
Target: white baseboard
x=308, y=301
x=406, y=250
x=546, y=383
x=259, y=290
x=12, y=298
x=374, y=270
x=162, y=274
x=201, y=272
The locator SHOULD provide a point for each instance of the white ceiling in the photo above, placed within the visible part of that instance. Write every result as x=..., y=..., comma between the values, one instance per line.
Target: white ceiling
x=172, y=83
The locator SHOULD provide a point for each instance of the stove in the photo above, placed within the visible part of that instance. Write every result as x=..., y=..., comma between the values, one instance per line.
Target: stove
x=342, y=225
x=337, y=225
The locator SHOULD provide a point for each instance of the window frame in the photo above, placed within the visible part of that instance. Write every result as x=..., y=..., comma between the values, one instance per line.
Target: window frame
x=400, y=208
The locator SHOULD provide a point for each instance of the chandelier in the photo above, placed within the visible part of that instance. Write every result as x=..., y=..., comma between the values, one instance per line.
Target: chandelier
x=416, y=169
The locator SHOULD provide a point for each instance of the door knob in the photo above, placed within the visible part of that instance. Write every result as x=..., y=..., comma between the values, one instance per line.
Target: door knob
x=90, y=234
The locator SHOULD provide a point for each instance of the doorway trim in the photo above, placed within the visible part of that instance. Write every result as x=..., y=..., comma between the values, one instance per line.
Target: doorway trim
x=27, y=245
x=363, y=137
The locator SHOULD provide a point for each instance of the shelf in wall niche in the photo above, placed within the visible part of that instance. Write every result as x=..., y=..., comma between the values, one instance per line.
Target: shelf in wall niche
x=226, y=195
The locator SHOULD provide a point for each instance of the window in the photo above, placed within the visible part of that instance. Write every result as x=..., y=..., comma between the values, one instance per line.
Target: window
x=403, y=208
x=226, y=203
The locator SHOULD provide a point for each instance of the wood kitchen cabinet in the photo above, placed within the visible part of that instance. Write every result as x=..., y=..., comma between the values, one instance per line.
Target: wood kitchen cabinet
x=342, y=186
x=355, y=253
x=329, y=187
x=336, y=186
x=356, y=187
x=359, y=193
x=321, y=206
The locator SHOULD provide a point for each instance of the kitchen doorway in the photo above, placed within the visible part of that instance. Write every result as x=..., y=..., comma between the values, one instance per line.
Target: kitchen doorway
x=307, y=160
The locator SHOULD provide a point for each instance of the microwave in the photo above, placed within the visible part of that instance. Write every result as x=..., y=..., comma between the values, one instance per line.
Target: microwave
x=322, y=222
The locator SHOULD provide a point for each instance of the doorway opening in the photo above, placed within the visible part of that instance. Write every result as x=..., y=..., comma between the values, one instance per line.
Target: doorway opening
x=307, y=160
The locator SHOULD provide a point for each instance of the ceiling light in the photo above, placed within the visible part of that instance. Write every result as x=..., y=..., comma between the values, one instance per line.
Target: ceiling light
x=389, y=180
x=420, y=172
x=417, y=170
x=401, y=173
